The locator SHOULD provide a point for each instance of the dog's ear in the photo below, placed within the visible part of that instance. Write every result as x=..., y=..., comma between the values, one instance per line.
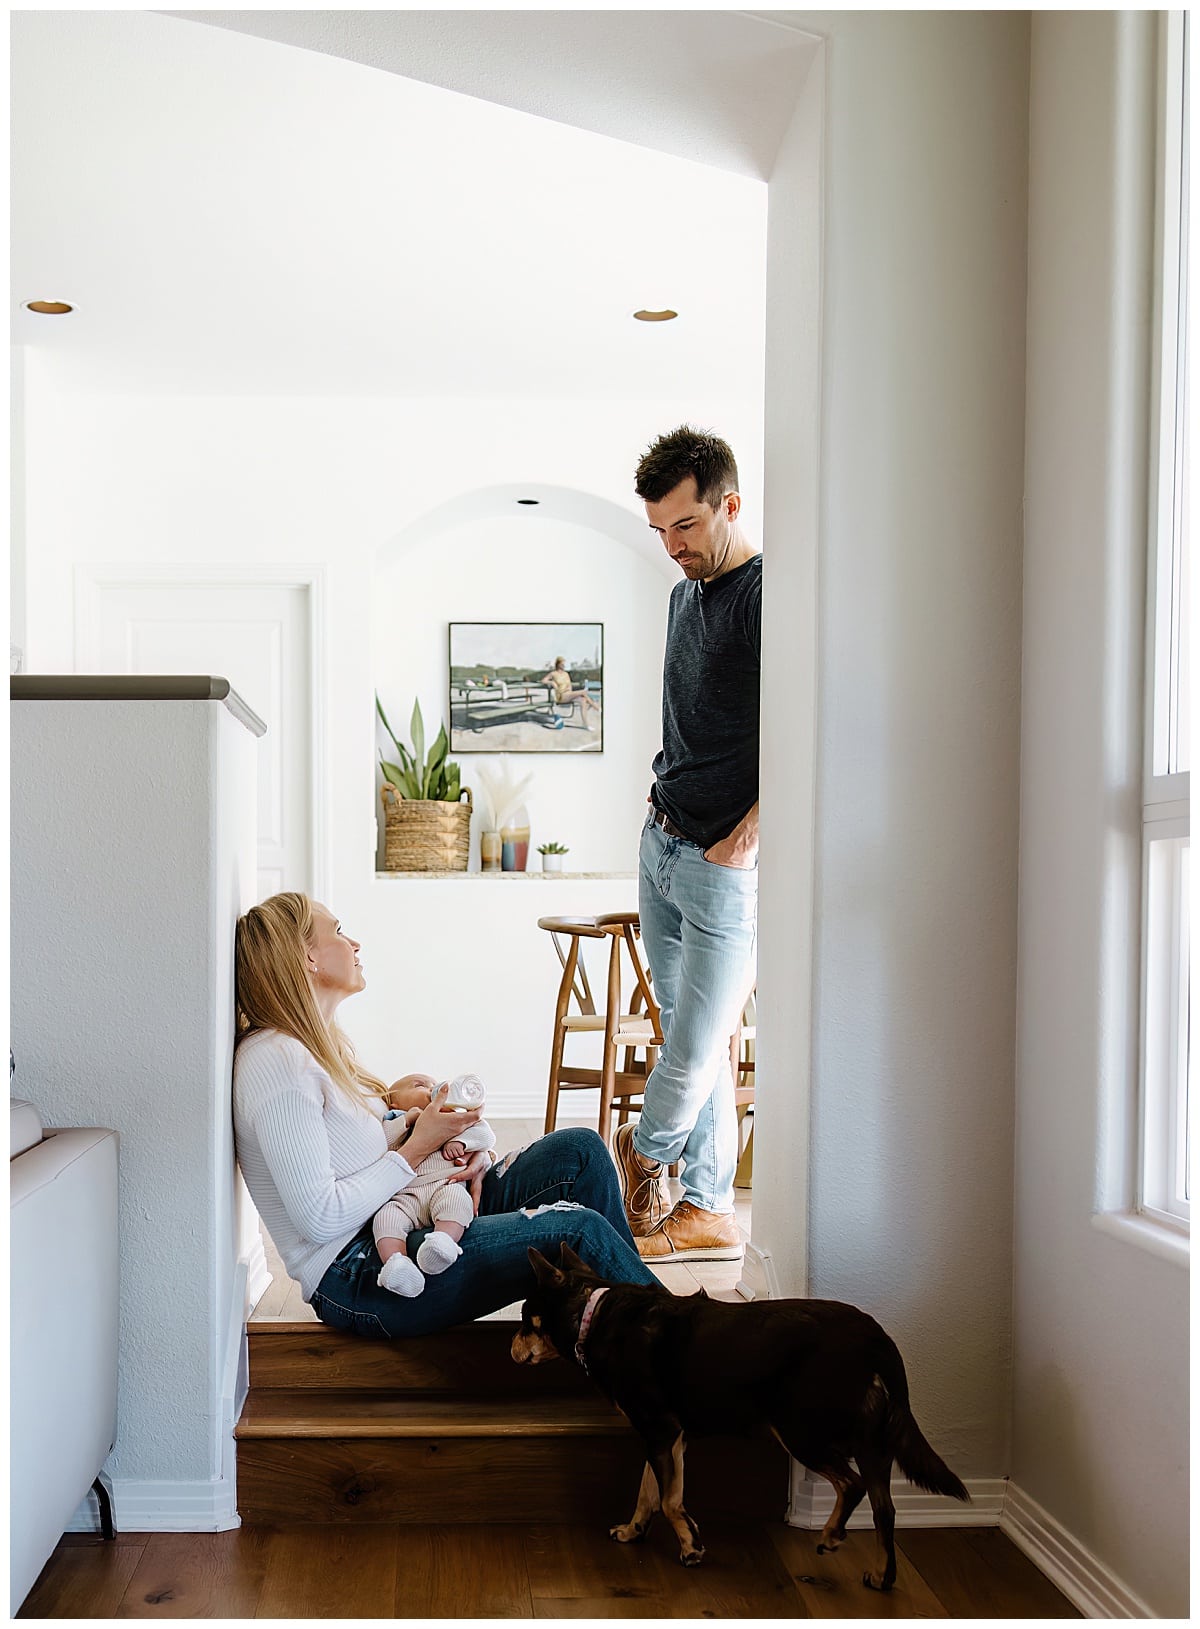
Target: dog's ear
x=568, y=1259
x=547, y=1272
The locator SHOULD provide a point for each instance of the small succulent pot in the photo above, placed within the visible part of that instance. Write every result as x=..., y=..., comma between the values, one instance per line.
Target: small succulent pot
x=552, y=862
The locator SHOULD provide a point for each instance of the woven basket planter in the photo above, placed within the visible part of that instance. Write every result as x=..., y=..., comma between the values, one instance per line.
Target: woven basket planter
x=421, y=835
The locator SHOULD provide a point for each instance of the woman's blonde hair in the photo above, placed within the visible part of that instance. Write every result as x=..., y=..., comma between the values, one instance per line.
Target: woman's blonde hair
x=273, y=989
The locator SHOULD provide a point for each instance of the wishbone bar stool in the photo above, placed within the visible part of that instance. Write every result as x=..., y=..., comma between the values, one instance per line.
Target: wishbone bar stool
x=636, y=1030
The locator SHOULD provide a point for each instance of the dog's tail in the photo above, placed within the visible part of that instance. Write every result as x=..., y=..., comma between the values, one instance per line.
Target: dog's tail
x=924, y=1468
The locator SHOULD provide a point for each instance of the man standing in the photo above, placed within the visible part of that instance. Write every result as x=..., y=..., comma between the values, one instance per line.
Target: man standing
x=698, y=874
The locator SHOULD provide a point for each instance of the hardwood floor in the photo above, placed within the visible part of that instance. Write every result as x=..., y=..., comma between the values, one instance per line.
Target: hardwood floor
x=282, y=1302
x=340, y=1571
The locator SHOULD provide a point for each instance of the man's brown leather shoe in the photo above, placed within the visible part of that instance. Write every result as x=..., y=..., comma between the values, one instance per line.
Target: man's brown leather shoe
x=700, y=1235
x=643, y=1183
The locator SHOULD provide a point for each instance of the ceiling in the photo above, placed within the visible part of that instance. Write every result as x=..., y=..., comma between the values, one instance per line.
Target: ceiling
x=236, y=215
x=717, y=87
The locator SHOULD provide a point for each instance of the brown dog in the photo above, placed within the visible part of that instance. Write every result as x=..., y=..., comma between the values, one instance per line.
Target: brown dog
x=825, y=1377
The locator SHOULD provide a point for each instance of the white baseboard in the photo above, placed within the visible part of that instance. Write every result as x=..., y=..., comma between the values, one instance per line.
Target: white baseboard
x=163, y=1507
x=812, y=1502
x=995, y=1502
x=759, y=1280
x=189, y=1507
x=1084, y=1580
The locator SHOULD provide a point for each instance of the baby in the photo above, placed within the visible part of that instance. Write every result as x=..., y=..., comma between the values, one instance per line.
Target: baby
x=431, y=1199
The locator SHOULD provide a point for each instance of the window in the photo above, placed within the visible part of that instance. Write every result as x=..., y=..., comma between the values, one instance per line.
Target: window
x=1167, y=1097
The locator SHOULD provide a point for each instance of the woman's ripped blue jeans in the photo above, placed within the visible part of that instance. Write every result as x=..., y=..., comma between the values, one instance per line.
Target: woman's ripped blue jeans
x=562, y=1187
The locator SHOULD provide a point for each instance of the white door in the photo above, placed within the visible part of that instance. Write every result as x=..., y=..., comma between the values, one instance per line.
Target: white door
x=256, y=635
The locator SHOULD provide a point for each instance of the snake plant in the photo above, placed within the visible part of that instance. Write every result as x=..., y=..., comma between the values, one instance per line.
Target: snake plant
x=434, y=778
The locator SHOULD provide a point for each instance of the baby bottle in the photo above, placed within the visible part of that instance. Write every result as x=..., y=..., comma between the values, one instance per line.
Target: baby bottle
x=466, y=1092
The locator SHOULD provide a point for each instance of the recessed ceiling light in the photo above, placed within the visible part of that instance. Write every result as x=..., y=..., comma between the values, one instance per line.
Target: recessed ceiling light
x=529, y=500
x=49, y=308
x=654, y=316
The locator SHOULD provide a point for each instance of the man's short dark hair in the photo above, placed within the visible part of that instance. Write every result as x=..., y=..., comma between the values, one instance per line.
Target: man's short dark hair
x=683, y=452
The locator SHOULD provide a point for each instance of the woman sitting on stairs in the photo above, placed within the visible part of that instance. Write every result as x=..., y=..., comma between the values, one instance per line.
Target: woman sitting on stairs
x=319, y=1159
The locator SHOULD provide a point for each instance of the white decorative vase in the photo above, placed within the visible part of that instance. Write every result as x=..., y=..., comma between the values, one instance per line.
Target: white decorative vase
x=552, y=862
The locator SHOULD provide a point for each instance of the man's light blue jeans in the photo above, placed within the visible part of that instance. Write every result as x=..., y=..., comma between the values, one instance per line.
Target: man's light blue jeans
x=699, y=927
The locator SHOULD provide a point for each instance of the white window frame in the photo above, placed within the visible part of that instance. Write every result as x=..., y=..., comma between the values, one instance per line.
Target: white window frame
x=1163, y=1190
x=1166, y=823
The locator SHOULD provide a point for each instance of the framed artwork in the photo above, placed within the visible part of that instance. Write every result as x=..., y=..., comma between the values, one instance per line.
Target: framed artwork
x=526, y=687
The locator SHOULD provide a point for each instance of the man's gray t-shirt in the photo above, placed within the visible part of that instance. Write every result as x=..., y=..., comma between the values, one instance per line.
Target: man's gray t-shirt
x=706, y=776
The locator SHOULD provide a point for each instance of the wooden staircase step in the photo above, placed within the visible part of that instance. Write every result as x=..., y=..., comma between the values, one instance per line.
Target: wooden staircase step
x=324, y=1413
x=470, y=1360
x=497, y=1478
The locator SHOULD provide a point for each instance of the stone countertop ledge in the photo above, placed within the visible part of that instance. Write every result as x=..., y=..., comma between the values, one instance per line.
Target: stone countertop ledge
x=506, y=876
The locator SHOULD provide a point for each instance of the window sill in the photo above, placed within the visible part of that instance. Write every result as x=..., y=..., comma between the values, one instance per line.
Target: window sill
x=1172, y=1244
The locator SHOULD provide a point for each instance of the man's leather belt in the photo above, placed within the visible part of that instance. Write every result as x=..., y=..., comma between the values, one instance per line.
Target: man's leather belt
x=669, y=826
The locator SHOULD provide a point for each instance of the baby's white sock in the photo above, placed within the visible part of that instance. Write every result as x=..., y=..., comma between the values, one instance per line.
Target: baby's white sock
x=438, y=1251
x=401, y=1276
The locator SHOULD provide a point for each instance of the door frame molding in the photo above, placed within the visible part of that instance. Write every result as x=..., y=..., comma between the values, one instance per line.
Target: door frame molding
x=91, y=579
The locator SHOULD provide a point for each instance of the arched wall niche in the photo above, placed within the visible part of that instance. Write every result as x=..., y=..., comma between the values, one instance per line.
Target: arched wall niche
x=561, y=503
x=483, y=556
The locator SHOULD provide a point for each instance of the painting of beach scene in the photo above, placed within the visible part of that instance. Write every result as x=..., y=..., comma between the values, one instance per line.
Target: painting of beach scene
x=526, y=687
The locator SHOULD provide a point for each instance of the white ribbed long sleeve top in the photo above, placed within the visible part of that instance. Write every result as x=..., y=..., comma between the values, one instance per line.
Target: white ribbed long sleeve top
x=317, y=1164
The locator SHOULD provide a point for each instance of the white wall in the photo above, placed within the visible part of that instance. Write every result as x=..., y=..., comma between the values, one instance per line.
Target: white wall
x=340, y=484
x=133, y=830
x=16, y=504
x=791, y=660
x=917, y=585
x=1101, y=1326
